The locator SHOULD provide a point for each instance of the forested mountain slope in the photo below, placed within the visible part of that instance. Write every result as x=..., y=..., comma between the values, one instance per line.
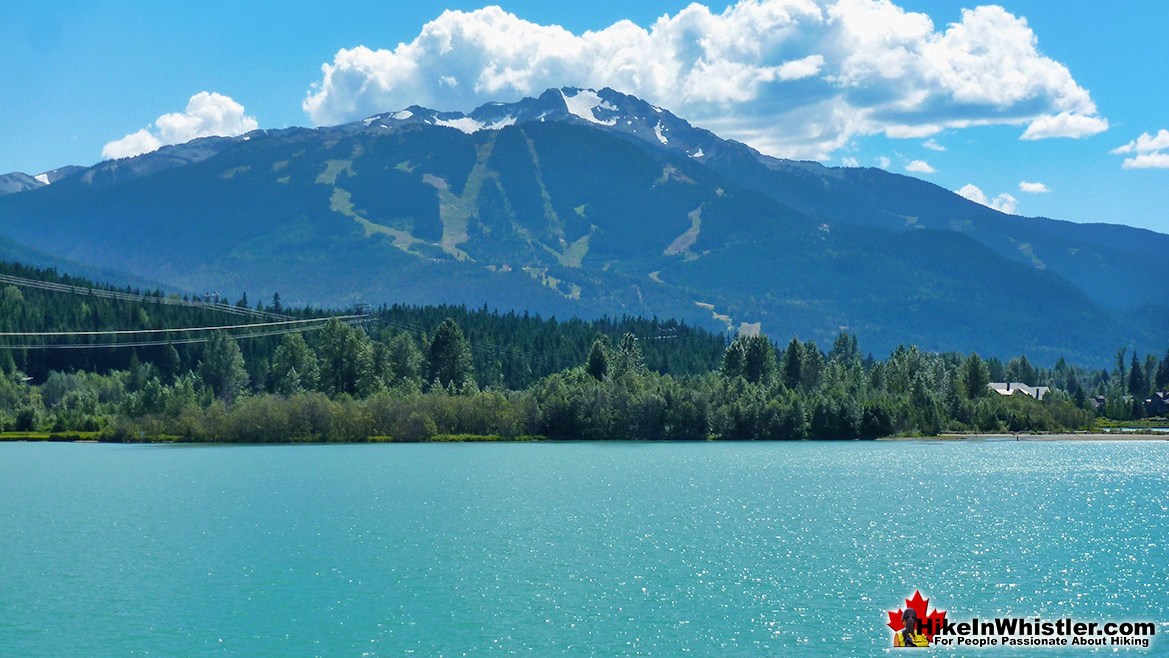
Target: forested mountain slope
x=583, y=203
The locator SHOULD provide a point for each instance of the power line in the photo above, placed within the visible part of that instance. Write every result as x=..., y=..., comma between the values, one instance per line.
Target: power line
x=124, y=332
x=282, y=320
x=285, y=321
x=143, y=297
x=153, y=343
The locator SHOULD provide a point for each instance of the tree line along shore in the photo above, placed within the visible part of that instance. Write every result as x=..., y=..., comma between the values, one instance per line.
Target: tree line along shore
x=403, y=373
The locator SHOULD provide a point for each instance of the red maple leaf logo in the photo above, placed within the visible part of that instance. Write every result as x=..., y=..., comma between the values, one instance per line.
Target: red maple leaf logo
x=930, y=623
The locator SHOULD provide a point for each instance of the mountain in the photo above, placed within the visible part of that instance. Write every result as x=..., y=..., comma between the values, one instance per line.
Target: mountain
x=16, y=181
x=583, y=202
x=1113, y=264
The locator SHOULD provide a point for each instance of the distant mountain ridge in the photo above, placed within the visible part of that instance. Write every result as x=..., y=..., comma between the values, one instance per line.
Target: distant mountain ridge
x=17, y=181
x=595, y=202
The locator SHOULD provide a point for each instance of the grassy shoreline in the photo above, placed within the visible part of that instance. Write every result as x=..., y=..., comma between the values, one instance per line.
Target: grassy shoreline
x=99, y=437
x=56, y=437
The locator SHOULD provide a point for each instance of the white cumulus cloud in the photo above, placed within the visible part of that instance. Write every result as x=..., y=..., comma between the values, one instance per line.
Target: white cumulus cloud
x=1033, y=188
x=1150, y=151
x=1005, y=203
x=136, y=143
x=850, y=162
x=1002, y=203
x=972, y=192
x=1146, y=143
x=795, y=78
x=801, y=68
x=920, y=167
x=1147, y=161
x=1064, y=124
x=933, y=145
x=207, y=114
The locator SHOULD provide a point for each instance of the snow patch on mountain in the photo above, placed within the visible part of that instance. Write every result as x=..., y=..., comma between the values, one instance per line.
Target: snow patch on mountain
x=584, y=104
x=658, y=132
x=465, y=124
x=500, y=124
x=604, y=108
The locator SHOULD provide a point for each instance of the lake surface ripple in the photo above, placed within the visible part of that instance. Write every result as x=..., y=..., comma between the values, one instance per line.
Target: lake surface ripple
x=607, y=549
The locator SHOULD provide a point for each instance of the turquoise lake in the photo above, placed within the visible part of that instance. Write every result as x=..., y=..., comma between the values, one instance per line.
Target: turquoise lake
x=547, y=549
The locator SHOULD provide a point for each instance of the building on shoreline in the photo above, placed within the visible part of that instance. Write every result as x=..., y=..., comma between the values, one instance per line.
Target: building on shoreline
x=1158, y=404
x=1017, y=388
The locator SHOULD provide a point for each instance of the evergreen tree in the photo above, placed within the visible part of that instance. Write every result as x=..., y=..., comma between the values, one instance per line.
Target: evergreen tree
x=812, y=367
x=1150, y=371
x=1121, y=374
x=792, y=368
x=1161, y=380
x=845, y=349
x=1079, y=397
x=294, y=366
x=1060, y=374
x=1138, y=408
x=598, y=361
x=346, y=360
x=1019, y=369
x=998, y=372
x=169, y=363
x=733, y=357
x=759, y=360
x=222, y=367
x=404, y=361
x=1136, y=378
x=750, y=357
x=139, y=372
x=975, y=377
x=448, y=363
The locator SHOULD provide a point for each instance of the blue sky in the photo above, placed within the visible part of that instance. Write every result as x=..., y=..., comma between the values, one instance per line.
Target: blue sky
x=82, y=75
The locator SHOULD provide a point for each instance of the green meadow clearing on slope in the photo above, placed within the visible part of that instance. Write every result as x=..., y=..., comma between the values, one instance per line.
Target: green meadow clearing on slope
x=575, y=221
